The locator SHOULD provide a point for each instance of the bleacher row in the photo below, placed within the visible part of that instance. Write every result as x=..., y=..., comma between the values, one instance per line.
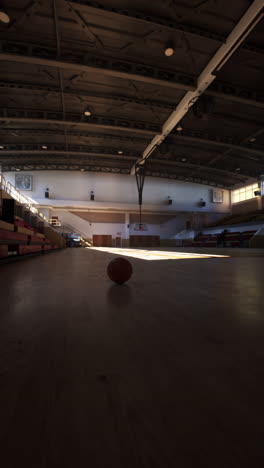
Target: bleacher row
x=21, y=238
x=230, y=239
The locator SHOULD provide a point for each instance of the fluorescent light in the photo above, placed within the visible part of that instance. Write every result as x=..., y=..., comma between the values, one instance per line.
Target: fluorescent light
x=4, y=17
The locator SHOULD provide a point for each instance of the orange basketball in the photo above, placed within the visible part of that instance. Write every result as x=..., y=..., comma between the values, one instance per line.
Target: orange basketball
x=119, y=270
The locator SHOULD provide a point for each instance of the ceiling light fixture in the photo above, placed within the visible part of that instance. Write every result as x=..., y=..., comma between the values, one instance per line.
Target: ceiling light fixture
x=179, y=127
x=169, y=49
x=44, y=147
x=17, y=169
x=120, y=152
x=238, y=169
x=2, y=147
x=82, y=169
x=252, y=140
x=183, y=159
x=4, y=17
x=87, y=113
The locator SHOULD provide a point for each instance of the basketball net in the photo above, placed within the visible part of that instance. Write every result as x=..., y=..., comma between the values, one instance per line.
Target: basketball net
x=140, y=178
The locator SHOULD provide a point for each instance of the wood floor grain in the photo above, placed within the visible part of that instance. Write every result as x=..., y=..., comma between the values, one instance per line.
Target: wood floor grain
x=164, y=372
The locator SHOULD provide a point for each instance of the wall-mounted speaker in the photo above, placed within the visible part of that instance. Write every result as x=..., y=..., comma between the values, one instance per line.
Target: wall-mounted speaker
x=202, y=203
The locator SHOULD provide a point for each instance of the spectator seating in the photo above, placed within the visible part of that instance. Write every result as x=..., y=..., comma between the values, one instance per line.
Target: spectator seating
x=21, y=238
x=231, y=239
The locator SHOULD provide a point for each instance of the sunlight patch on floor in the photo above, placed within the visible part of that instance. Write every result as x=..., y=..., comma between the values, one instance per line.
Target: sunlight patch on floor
x=145, y=254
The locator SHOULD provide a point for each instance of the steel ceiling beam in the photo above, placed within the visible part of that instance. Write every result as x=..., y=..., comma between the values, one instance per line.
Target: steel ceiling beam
x=240, y=32
x=80, y=93
x=228, y=151
x=119, y=68
x=140, y=139
x=101, y=157
x=64, y=167
x=168, y=25
x=41, y=55
x=192, y=165
x=56, y=154
x=215, y=140
x=86, y=27
x=7, y=156
x=26, y=148
x=31, y=9
x=189, y=137
x=232, y=93
x=56, y=118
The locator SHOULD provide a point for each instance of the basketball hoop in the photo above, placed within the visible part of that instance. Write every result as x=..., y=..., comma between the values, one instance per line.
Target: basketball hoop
x=140, y=177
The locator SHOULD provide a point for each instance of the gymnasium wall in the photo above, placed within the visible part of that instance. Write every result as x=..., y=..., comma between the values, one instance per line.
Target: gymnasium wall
x=165, y=229
x=115, y=188
x=114, y=229
x=246, y=206
x=86, y=228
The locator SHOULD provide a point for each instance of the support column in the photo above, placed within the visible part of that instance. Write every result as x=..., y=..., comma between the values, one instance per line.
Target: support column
x=125, y=242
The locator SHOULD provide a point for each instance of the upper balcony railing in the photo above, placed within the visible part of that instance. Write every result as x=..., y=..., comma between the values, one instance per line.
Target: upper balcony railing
x=17, y=195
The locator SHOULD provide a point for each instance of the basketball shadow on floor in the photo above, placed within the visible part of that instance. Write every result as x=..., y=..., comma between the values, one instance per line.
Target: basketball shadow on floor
x=119, y=295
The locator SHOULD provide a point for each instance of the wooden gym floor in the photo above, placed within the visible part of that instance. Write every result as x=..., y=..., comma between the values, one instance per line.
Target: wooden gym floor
x=164, y=372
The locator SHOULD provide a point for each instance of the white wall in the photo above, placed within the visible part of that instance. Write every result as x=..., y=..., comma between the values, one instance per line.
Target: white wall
x=164, y=230
x=88, y=229
x=76, y=186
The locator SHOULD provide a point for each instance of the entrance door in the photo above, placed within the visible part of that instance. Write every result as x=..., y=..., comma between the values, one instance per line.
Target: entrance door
x=102, y=240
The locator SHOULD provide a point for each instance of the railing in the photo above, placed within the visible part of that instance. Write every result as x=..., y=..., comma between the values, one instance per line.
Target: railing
x=11, y=190
x=66, y=228
x=72, y=229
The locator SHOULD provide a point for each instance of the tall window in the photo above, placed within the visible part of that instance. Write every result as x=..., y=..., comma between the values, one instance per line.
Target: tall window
x=244, y=193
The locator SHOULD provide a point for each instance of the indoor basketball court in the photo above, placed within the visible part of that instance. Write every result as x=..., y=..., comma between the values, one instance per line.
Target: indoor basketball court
x=131, y=233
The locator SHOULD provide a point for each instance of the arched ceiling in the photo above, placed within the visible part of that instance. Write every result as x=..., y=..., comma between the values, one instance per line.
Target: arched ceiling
x=60, y=58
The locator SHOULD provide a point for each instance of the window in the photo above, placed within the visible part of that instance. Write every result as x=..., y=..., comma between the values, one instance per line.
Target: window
x=244, y=193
